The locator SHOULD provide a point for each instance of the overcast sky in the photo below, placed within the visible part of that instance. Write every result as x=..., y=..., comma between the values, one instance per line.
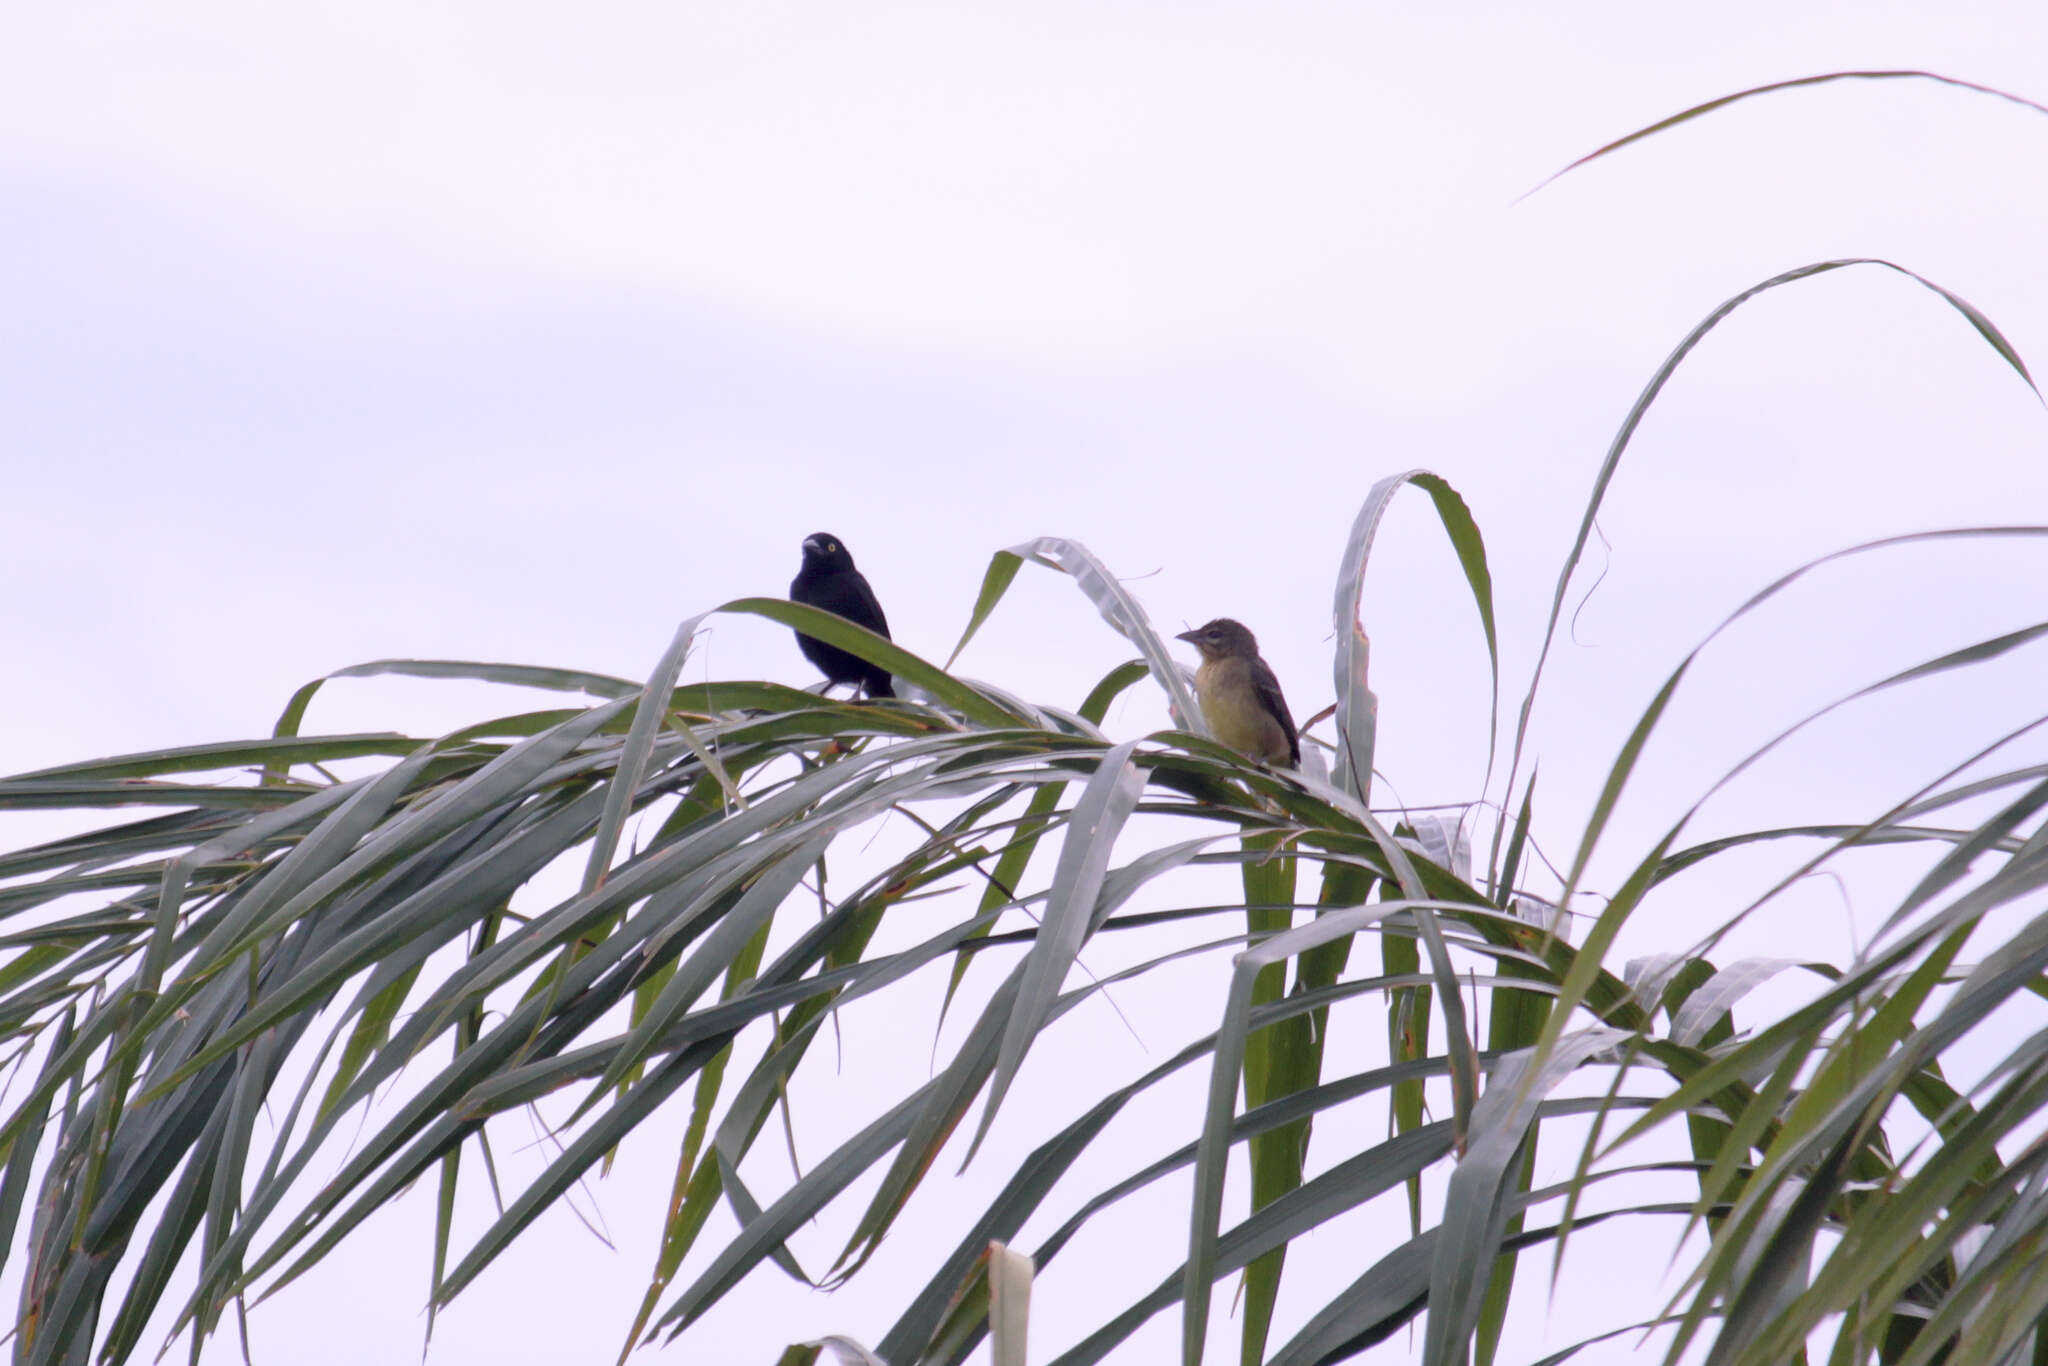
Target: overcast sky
x=511, y=331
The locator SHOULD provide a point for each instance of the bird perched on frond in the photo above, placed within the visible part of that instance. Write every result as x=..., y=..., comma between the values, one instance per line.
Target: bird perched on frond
x=829, y=581
x=1239, y=695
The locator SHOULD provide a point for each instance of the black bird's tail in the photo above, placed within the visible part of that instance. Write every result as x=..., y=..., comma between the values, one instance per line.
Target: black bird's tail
x=879, y=685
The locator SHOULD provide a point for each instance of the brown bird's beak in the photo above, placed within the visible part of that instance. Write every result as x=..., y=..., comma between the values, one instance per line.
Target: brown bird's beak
x=1188, y=636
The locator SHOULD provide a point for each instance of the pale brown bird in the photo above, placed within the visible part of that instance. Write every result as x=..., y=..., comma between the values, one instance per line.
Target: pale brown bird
x=1239, y=695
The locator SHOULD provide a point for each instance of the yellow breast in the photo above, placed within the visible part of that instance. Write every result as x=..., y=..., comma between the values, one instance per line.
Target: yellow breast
x=1231, y=708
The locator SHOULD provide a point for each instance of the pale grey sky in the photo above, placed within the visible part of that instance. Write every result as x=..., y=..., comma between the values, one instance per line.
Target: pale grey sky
x=341, y=332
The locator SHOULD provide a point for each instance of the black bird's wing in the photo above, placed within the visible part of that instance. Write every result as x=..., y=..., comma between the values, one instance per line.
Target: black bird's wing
x=1267, y=685
x=844, y=592
x=848, y=594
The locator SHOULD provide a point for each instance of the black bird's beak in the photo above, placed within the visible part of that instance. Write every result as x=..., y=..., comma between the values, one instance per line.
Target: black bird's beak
x=1188, y=636
x=812, y=546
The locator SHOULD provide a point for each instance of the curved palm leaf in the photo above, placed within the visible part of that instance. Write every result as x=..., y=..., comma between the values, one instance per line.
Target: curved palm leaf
x=372, y=937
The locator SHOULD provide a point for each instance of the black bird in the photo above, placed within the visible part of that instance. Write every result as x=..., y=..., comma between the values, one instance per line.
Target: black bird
x=829, y=581
x=1239, y=695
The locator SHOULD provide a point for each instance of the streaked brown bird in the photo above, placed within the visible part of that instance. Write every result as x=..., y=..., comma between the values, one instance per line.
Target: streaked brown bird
x=1239, y=695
